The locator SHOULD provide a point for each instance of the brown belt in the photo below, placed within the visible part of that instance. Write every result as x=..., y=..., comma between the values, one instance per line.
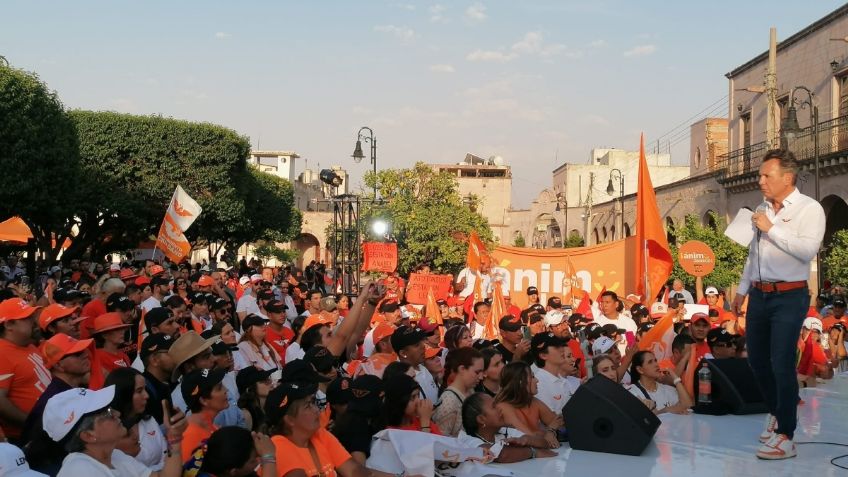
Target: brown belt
x=777, y=287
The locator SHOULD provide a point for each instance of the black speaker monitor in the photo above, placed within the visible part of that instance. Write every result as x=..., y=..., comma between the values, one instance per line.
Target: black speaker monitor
x=734, y=389
x=604, y=417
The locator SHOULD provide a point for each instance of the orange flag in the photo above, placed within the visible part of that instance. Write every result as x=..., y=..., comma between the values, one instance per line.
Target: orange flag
x=585, y=308
x=569, y=282
x=689, y=374
x=653, y=257
x=433, y=313
x=477, y=252
x=492, y=329
x=658, y=339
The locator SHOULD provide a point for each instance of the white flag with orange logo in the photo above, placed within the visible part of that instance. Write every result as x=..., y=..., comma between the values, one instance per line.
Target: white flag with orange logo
x=181, y=213
x=658, y=339
x=183, y=209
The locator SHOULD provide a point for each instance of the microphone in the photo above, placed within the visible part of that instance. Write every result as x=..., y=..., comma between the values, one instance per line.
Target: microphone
x=761, y=209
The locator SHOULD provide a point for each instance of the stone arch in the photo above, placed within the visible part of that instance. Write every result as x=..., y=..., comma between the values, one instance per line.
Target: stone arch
x=309, y=248
x=627, y=232
x=596, y=237
x=546, y=232
x=708, y=219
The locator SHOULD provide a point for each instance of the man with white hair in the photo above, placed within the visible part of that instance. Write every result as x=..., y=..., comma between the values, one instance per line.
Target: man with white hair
x=97, y=305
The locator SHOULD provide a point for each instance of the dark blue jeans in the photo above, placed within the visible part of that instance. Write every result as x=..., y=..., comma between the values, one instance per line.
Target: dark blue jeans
x=772, y=329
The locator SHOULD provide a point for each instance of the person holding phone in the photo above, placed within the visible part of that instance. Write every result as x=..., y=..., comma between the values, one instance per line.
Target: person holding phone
x=514, y=343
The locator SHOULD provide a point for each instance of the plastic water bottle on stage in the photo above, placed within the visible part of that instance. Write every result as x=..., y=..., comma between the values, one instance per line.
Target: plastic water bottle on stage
x=705, y=384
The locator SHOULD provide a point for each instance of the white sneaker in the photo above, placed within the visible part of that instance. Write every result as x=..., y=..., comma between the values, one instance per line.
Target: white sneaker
x=771, y=425
x=778, y=447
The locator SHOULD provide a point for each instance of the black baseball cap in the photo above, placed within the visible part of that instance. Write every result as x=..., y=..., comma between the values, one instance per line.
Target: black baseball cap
x=406, y=336
x=219, y=348
x=611, y=329
x=639, y=309
x=299, y=371
x=198, y=382
x=157, y=316
x=153, y=343
x=510, y=323
x=577, y=319
x=280, y=399
x=119, y=302
x=839, y=301
x=645, y=327
x=265, y=295
x=252, y=320
x=555, y=302
x=532, y=291
x=218, y=304
x=541, y=341
x=275, y=306
x=320, y=358
x=720, y=335
x=250, y=376
x=367, y=392
x=481, y=343
x=338, y=391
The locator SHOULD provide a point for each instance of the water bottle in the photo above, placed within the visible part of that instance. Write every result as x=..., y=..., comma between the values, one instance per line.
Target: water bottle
x=705, y=384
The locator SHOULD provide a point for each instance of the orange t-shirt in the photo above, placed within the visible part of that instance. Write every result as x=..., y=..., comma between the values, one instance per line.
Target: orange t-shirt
x=23, y=376
x=104, y=363
x=90, y=311
x=279, y=341
x=331, y=455
x=195, y=435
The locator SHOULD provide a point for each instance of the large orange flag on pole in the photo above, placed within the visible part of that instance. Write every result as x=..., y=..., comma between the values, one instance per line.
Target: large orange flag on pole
x=653, y=257
x=477, y=252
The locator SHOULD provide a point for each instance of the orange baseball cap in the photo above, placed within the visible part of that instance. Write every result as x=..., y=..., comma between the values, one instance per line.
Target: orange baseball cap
x=108, y=322
x=156, y=270
x=61, y=345
x=205, y=281
x=141, y=281
x=16, y=309
x=315, y=320
x=382, y=331
x=54, y=312
x=128, y=274
x=432, y=352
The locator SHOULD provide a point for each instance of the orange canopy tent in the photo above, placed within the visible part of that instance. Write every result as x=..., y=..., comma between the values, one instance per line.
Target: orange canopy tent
x=14, y=230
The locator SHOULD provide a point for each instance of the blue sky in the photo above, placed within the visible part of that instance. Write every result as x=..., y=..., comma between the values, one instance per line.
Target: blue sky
x=527, y=80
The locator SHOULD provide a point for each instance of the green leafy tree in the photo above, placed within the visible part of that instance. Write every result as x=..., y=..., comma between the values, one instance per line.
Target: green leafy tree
x=39, y=159
x=268, y=250
x=574, y=240
x=519, y=240
x=836, y=258
x=427, y=215
x=730, y=256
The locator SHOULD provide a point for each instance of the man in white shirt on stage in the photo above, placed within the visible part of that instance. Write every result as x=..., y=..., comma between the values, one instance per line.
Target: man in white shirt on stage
x=789, y=228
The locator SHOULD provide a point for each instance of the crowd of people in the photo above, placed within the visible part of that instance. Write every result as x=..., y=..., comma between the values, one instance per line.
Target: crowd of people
x=136, y=369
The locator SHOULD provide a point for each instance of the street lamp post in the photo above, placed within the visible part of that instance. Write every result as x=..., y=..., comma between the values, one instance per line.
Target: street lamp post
x=358, y=155
x=611, y=189
x=791, y=130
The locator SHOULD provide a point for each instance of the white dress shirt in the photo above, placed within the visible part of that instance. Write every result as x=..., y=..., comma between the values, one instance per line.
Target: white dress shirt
x=553, y=390
x=428, y=385
x=785, y=252
x=470, y=279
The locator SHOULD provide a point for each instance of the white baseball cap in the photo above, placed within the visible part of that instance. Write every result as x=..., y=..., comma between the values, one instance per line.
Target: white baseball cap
x=554, y=317
x=14, y=464
x=658, y=309
x=813, y=324
x=64, y=410
x=602, y=345
x=115, y=267
x=244, y=280
x=711, y=291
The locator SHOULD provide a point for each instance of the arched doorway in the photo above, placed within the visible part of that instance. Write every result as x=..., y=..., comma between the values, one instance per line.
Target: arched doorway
x=709, y=219
x=546, y=232
x=309, y=248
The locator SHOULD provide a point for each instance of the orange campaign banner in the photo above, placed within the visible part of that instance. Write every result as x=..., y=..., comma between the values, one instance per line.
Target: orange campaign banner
x=379, y=256
x=172, y=241
x=594, y=268
x=420, y=283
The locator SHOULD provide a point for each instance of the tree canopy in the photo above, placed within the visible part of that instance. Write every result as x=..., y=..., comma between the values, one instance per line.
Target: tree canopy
x=729, y=256
x=836, y=259
x=427, y=216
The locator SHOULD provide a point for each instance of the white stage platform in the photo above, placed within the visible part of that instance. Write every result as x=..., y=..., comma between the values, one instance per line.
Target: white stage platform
x=698, y=445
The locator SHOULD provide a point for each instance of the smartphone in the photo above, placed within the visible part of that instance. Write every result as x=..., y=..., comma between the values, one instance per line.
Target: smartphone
x=525, y=332
x=631, y=338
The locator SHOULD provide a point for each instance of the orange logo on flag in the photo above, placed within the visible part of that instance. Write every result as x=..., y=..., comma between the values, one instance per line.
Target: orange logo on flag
x=70, y=418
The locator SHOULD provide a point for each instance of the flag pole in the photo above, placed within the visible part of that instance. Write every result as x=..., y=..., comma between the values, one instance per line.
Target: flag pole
x=645, y=258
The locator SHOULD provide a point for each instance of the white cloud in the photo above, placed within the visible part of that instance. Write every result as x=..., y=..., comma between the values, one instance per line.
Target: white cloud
x=442, y=68
x=223, y=35
x=531, y=43
x=437, y=12
x=490, y=55
x=641, y=50
x=403, y=33
x=598, y=43
x=476, y=12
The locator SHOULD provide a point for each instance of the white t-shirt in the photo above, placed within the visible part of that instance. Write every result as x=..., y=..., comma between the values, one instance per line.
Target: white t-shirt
x=477, y=330
x=664, y=396
x=150, y=303
x=622, y=322
x=367, y=345
x=500, y=438
x=554, y=391
x=78, y=464
x=428, y=385
x=294, y=351
x=247, y=304
x=154, y=447
x=470, y=279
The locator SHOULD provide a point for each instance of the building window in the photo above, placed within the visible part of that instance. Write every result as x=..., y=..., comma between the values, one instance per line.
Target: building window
x=698, y=157
x=783, y=109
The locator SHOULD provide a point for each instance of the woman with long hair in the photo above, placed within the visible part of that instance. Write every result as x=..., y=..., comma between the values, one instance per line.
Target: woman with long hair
x=458, y=337
x=662, y=391
x=603, y=365
x=253, y=387
x=521, y=409
x=131, y=400
x=252, y=347
x=484, y=426
x=405, y=406
x=463, y=370
x=493, y=363
x=233, y=451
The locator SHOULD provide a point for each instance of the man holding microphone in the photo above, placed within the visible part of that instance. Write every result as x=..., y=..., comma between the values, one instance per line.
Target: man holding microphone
x=789, y=228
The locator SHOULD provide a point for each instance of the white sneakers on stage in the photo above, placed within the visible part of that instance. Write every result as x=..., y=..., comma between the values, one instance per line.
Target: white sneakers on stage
x=777, y=447
x=771, y=425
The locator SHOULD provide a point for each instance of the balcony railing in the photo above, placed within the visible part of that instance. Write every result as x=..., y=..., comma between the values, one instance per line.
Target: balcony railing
x=833, y=139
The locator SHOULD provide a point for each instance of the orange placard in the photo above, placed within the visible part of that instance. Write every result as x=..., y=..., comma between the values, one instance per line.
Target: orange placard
x=420, y=283
x=697, y=258
x=379, y=256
